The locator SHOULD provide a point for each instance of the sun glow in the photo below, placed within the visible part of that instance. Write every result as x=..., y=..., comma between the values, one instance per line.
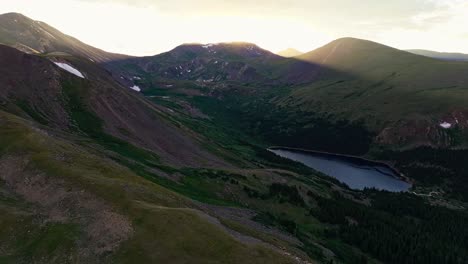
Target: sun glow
x=146, y=27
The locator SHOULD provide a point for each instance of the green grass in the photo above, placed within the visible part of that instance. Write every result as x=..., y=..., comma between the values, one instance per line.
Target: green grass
x=164, y=228
x=23, y=240
x=33, y=113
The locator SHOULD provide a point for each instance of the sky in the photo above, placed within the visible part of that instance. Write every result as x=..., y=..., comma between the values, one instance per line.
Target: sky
x=147, y=27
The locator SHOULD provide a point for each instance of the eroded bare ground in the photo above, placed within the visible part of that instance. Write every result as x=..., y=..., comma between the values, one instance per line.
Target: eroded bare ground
x=56, y=201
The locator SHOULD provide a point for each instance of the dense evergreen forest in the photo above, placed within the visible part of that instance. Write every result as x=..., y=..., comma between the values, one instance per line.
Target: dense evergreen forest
x=398, y=228
x=434, y=167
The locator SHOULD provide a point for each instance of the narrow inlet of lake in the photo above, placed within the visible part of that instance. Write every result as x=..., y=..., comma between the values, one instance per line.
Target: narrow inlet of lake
x=354, y=172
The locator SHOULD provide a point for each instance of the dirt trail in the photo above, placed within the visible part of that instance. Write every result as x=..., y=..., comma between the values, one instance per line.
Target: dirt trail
x=245, y=239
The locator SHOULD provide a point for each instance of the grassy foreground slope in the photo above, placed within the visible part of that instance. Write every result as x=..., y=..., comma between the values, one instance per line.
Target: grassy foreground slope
x=64, y=203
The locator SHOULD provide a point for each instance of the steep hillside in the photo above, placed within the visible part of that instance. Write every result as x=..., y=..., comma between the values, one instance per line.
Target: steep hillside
x=451, y=56
x=95, y=105
x=64, y=202
x=35, y=37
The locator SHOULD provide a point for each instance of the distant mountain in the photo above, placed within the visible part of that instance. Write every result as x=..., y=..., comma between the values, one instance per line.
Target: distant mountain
x=33, y=36
x=360, y=56
x=210, y=64
x=291, y=52
x=390, y=90
x=441, y=55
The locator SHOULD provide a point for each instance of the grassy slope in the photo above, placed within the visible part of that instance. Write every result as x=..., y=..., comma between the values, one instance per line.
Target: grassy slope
x=159, y=233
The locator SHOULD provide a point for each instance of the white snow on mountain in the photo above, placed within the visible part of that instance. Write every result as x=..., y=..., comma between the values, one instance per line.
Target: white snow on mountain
x=69, y=69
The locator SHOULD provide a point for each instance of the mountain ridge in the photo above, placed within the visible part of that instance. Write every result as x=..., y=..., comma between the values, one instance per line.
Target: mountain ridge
x=38, y=37
x=455, y=56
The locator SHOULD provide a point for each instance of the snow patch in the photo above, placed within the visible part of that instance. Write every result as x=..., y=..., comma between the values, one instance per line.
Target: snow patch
x=69, y=69
x=136, y=78
x=208, y=45
x=135, y=88
x=445, y=125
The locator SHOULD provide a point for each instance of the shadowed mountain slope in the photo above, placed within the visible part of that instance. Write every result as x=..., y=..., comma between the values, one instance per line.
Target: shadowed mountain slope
x=394, y=92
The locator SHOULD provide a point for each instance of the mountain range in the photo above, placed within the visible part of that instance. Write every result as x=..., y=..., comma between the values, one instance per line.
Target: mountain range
x=109, y=158
x=451, y=56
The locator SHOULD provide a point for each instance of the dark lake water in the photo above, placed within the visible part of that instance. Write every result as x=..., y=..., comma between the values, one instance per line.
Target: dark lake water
x=355, y=172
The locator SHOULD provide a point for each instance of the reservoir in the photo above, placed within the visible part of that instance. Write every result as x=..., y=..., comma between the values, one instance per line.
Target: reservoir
x=355, y=172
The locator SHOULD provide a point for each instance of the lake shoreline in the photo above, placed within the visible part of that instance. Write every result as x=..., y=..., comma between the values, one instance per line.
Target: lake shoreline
x=397, y=174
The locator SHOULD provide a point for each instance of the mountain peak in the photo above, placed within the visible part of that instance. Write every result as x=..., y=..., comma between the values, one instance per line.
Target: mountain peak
x=30, y=36
x=243, y=49
x=349, y=53
x=15, y=18
x=290, y=52
x=13, y=14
